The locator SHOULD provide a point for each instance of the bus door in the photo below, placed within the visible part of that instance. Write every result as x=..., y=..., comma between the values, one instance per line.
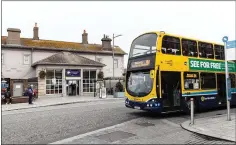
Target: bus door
x=170, y=90
x=221, y=88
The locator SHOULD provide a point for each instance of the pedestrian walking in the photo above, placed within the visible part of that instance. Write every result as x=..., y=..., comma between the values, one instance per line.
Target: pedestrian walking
x=30, y=94
x=8, y=97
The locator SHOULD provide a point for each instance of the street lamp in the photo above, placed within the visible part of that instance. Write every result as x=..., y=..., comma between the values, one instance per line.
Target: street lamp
x=113, y=38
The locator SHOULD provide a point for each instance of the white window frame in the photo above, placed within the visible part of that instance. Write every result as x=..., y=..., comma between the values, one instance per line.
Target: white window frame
x=24, y=59
x=58, y=83
x=91, y=85
x=116, y=65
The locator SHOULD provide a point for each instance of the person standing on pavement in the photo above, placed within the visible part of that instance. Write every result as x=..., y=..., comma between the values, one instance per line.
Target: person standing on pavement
x=8, y=97
x=30, y=94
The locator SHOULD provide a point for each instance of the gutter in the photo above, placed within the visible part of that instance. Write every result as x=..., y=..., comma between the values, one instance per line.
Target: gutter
x=60, y=49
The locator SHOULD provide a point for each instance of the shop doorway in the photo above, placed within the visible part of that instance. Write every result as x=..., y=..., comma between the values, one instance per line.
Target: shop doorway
x=73, y=87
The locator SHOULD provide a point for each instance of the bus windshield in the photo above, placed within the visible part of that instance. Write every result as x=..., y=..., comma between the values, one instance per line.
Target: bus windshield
x=144, y=44
x=139, y=83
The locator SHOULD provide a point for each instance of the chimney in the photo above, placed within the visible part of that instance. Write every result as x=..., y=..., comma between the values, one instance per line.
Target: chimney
x=106, y=43
x=36, y=32
x=13, y=36
x=85, y=38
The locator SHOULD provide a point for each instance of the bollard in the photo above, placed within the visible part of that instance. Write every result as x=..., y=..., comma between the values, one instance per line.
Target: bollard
x=192, y=111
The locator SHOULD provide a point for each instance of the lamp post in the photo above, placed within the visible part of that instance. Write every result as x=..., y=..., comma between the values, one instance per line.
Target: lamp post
x=113, y=38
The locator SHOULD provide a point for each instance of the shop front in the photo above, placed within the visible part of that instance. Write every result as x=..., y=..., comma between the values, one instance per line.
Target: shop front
x=73, y=82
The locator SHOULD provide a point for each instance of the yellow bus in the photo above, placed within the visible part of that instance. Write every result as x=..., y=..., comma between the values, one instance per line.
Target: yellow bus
x=164, y=71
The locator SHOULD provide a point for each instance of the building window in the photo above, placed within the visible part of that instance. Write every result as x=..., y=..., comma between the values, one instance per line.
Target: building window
x=53, y=81
x=208, y=81
x=115, y=63
x=26, y=59
x=191, y=80
x=99, y=59
x=219, y=52
x=233, y=80
x=89, y=77
x=171, y=45
x=189, y=48
x=205, y=50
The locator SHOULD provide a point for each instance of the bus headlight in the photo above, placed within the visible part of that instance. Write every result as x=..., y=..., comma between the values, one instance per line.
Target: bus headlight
x=147, y=105
x=150, y=105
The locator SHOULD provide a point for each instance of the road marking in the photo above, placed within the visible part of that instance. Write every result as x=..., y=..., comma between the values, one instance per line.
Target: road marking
x=67, y=140
x=170, y=123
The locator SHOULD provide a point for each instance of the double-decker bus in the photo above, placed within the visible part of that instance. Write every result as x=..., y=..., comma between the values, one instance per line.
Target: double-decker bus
x=164, y=71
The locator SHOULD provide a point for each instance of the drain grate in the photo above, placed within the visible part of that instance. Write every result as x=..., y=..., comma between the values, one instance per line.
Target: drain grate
x=145, y=124
x=115, y=136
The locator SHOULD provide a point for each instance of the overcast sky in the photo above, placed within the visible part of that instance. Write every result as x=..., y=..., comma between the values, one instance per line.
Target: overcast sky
x=66, y=21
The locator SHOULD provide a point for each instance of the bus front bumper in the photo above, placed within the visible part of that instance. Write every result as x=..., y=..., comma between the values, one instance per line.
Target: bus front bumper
x=148, y=106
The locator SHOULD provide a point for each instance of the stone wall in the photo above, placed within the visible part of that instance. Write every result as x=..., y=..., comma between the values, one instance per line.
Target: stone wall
x=41, y=87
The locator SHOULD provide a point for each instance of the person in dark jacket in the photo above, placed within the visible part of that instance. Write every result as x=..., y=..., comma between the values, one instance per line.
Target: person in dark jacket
x=8, y=97
x=30, y=94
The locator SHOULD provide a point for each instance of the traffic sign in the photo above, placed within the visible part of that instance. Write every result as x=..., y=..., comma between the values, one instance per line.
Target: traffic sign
x=231, y=44
x=225, y=39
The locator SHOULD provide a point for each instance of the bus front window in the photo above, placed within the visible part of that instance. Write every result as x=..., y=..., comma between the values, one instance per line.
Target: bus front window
x=144, y=44
x=139, y=83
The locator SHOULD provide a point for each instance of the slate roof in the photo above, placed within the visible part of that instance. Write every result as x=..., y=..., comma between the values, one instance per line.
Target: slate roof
x=62, y=45
x=68, y=58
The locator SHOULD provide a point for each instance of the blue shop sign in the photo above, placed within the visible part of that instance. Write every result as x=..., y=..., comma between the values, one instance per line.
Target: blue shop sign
x=73, y=72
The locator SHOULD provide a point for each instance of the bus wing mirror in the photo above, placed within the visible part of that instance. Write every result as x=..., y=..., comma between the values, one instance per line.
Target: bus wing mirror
x=152, y=74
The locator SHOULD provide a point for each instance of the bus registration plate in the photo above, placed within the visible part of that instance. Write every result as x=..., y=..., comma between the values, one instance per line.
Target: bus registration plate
x=136, y=107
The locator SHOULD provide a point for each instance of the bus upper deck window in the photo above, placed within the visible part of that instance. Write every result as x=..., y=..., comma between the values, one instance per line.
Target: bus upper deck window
x=171, y=45
x=205, y=50
x=219, y=52
x=189, y=48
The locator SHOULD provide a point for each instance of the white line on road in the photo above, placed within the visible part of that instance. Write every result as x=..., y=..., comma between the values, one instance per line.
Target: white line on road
x=68, y=140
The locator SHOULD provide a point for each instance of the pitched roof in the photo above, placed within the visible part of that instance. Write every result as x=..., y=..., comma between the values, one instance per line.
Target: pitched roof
x=68, y=58
x=74, y=46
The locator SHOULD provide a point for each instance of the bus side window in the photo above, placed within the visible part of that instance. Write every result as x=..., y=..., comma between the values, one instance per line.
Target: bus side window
x=219, y=52
x=233, y=80
x=189, y=48
x=209, y=51
x=208, y=80
x=201, y=48
x=205, y=50
x=171, y=45
x=191, y=81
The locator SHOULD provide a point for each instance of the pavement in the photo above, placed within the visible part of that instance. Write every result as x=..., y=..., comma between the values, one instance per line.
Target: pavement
x=54, y=101
x=143, y=130
x=216, y=126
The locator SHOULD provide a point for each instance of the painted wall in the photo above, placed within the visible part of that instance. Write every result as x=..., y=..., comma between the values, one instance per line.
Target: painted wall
x=13, y=63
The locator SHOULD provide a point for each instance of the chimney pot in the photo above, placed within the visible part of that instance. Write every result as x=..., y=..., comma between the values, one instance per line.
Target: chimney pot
x=106, y=43
x=85, y=37
x=36, y=32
